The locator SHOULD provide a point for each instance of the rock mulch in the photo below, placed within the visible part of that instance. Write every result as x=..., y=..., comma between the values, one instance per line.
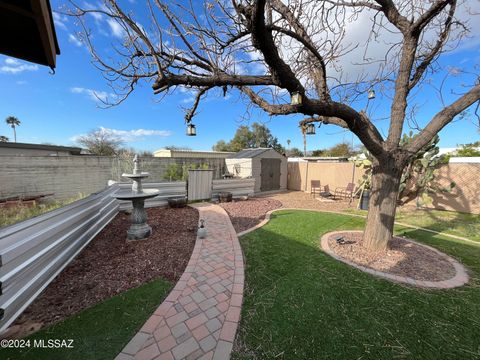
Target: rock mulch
x=402, y=258
x=302, y=200
x=110, y=265
x=245, y=214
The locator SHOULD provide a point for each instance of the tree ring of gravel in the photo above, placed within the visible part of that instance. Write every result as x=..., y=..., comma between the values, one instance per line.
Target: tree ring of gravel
x=460, y=278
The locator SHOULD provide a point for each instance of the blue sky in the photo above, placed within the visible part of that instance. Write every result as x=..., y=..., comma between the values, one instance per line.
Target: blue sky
x=57, y=108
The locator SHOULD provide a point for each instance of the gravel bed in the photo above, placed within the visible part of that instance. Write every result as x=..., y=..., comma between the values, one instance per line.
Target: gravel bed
x=402, y=258
x=110, y=265
x=302, y=200
x=245, y=214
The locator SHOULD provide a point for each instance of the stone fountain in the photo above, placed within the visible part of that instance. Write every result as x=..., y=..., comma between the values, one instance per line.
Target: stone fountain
x=139, y=229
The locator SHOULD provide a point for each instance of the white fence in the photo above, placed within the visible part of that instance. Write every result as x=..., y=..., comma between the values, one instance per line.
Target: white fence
x=35, y=251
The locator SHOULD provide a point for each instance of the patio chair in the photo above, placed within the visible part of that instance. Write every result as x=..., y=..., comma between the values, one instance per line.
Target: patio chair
x=315, y=187
x=326, y=192
x=344, y=192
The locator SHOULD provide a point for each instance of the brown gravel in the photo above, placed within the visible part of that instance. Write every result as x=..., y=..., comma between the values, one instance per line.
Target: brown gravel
x=245, y=214
x=110, y=265
x=302, y=200
x=403, y=258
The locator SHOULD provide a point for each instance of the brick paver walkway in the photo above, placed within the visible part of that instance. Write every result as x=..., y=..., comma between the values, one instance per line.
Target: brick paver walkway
x=199, y=318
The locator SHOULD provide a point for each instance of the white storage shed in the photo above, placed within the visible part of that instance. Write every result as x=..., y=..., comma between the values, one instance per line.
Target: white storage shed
x=265, y=165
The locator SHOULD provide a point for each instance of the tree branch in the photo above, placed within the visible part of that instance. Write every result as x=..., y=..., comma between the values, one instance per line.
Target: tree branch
x=221, y=79
x=442, y=118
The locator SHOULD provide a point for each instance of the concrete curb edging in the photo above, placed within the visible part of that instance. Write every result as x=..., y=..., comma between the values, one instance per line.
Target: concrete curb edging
x=267, y=219
x=460, y=278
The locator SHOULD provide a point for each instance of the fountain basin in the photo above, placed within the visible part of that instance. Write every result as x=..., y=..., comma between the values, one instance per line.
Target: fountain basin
x=130, y=195
x=140, y=175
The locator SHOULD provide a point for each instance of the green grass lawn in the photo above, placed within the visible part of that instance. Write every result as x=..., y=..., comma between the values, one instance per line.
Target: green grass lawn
x=302, y=304
x=448, y=222
x=101, y=331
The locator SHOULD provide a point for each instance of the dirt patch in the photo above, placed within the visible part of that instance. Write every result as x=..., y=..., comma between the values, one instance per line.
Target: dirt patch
x=245, y=214
x=403, y=257
x=110, y=265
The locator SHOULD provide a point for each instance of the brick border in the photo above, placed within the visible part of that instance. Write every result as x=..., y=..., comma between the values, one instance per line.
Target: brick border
x=460, y=278
x=200, y=316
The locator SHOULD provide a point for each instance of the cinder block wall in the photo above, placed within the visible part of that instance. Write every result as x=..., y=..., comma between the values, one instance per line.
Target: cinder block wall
x=64, y=176
x=68, y=176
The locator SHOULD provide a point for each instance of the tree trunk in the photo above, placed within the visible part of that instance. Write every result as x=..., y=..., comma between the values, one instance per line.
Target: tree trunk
x=386, y=175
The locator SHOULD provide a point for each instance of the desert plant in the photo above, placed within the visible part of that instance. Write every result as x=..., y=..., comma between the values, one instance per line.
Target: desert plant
x=418, y=177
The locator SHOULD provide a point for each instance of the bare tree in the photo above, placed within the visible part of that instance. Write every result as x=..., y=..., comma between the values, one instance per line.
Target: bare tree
x=267, y=49
x=101, y=142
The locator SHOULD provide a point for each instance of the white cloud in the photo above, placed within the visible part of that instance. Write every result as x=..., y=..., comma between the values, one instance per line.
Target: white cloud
x=97, y=16
x=95, y=95
x=129, y=135
x=115, y=28
x=14, y=66
x=74, y=40
x=21, y=82
x=60, y=20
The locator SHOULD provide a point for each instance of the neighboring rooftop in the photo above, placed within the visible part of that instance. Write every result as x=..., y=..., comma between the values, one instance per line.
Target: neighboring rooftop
x=249, y=153
x=13, y=148
x=178, y=153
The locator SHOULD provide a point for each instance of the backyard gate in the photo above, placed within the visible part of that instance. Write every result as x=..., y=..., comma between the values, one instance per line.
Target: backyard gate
x=200, y=184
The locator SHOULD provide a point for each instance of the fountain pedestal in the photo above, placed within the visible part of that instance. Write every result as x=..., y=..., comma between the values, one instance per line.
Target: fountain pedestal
x=139, y=229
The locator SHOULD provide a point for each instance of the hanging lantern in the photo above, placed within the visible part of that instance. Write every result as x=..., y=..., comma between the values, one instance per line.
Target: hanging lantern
x=371, y=94
x=310, y=129
x=296, y=98
x=191, y=130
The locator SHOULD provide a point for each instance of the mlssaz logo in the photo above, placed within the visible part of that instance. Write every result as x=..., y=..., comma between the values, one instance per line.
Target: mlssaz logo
x=53, y=343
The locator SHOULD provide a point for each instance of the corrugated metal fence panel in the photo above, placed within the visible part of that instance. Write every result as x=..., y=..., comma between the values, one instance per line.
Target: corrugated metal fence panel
x=168, y=189
x=238, y=187
x=200, y=184
x=35, y=251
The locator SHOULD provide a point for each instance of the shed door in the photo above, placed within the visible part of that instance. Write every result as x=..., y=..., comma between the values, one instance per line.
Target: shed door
x=270, y=174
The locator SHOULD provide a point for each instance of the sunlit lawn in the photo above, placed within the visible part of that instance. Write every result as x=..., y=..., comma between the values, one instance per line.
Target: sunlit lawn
x=302, y=304
x=448, y=222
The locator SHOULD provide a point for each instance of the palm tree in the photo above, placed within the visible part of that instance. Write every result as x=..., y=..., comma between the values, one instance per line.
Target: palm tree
x=13, y=122
x=288, y=143
x=3, y=138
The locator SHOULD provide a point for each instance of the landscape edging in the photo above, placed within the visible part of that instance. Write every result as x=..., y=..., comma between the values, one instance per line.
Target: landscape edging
x=460, y=278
